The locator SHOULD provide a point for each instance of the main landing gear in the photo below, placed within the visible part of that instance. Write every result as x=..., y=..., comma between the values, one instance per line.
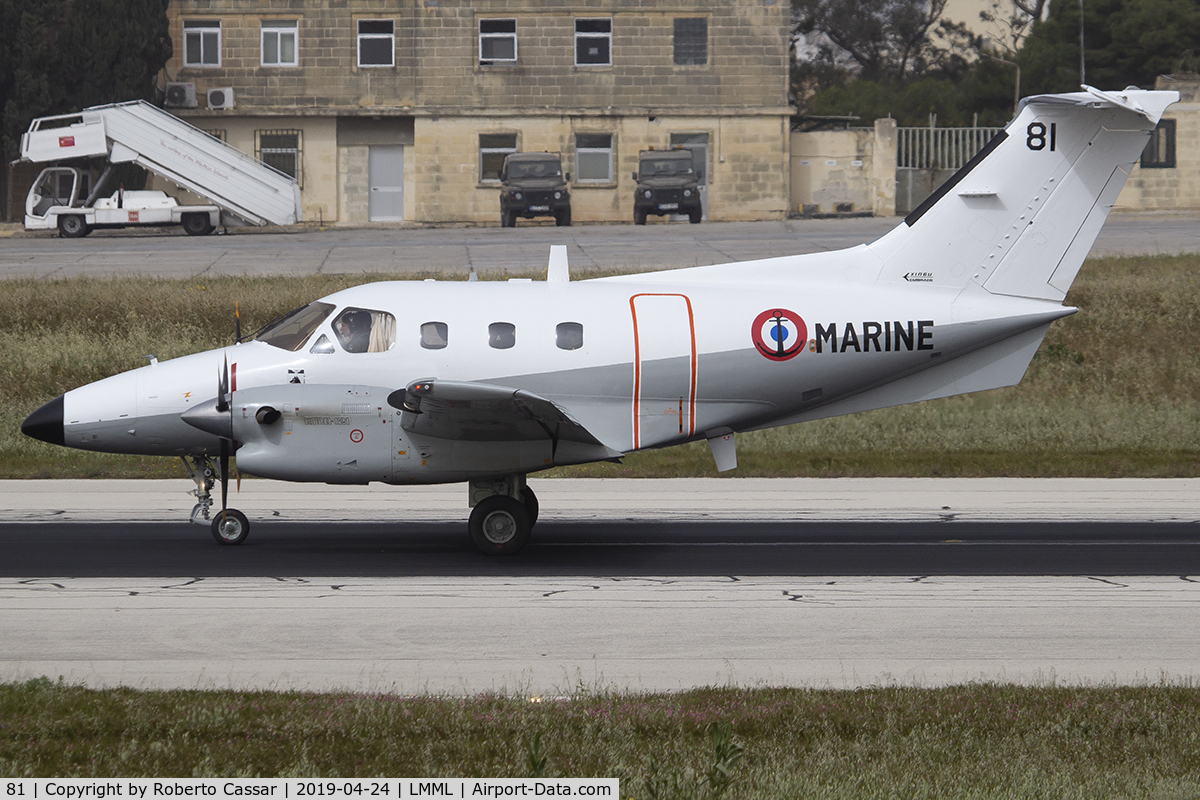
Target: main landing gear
x=503, y=516
x=229, y=526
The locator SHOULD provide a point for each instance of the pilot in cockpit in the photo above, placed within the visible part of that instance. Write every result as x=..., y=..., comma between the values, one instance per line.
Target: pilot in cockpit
x=354, y=331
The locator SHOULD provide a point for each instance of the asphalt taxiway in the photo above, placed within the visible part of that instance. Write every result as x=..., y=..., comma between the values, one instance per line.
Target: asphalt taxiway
x=641, y=585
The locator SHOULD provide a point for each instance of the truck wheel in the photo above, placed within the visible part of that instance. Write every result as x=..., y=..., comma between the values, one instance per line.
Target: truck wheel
x=508, y=219
x=694, y=215
x=563, y=218
x=72, y=226
x=639, y=216
x=197, y=225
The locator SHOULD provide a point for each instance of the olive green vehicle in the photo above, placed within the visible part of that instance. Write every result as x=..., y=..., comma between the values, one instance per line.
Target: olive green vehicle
x=532, y=185
x=666, y=184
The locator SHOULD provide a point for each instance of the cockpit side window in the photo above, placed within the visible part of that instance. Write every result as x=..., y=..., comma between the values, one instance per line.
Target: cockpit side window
x=361, y=330
x=291, y=331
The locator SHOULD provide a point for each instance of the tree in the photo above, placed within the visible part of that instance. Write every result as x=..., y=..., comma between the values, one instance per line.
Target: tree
x=1126, y=42
x=879, y=39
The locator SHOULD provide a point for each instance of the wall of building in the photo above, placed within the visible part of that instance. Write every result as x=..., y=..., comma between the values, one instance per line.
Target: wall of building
x=746, y=164
x=1178, y=188
x=845, y=170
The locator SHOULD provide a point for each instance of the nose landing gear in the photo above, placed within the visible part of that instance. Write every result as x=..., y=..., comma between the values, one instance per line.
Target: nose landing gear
x=229, y=526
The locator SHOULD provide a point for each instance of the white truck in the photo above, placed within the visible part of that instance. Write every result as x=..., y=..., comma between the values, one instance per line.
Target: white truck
x=239, y=187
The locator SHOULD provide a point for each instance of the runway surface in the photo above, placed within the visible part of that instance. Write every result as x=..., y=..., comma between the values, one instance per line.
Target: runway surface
x=641, y=585
x=451, y=251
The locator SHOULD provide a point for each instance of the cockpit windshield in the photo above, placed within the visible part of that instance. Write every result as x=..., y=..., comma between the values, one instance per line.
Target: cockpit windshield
x=665, y=167
x=291, y=331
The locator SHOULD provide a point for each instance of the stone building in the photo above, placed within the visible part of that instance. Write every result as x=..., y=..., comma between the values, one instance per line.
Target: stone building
x=392, y=111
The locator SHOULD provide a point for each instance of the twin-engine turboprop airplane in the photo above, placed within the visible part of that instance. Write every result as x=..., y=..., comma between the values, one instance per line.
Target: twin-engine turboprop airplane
x=487, y=382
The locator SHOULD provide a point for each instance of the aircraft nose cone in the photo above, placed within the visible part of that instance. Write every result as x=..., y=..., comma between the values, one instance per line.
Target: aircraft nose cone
x=46, y=423
x=207, y=418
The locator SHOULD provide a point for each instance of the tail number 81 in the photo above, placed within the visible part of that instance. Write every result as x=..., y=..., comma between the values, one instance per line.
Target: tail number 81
x=1038, y=135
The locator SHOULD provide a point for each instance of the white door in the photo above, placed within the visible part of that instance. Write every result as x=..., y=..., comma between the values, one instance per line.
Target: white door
x=664, y=381
x=386, y=173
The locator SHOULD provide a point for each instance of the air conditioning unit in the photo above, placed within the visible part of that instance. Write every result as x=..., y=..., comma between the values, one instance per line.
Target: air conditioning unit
x=220, y=98
x=181, y=95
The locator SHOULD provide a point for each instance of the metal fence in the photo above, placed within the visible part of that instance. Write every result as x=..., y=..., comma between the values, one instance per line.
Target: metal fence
x=939, y=148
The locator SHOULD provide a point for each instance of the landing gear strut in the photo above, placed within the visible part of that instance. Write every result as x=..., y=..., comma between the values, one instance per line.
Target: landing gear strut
x=229, y=526
x=503, y=517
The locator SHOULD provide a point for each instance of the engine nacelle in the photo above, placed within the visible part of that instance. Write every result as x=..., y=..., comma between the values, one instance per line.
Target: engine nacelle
x=316, y=432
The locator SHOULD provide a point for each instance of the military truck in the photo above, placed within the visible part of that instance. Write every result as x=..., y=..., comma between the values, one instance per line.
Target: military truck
x=666, y=184
x=532, y=185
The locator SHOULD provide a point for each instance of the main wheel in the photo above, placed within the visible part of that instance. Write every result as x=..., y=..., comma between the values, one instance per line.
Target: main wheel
x=230, y=527
x=563, y=218
x=499, y=525
x=530, y=501
x=197, y=224
x=72, y=226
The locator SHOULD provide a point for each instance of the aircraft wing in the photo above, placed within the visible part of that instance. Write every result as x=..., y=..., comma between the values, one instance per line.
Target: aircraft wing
x=485, y=412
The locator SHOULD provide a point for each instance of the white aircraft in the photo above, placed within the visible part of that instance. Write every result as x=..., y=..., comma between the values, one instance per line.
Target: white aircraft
x=487, y=382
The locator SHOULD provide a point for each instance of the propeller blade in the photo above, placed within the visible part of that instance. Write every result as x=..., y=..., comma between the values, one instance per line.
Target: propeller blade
x=237, y=318
x=224, y=476
x=223, y=388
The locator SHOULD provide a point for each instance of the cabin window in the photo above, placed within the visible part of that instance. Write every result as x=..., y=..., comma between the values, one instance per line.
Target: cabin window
x=502, y=335
x=291, y=331
x=360, y=330
x=434, y=335
x=569, y=335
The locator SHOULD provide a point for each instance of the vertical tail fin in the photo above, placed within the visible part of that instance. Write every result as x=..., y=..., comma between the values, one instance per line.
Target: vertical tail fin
x=1020, y=217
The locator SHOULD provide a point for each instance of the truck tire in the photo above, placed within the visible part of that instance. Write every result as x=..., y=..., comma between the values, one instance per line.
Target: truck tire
x=72, y=226
x=196, y=224
x=639, y=216
x=508, y=219
x=563, y=218
x=695, y=215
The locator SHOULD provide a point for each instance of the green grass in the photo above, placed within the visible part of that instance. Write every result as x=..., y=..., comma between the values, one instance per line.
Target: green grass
x=978, y=740
x=1114, y=390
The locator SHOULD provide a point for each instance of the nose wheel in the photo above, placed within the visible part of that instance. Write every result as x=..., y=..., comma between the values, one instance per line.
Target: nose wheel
x=230, y=527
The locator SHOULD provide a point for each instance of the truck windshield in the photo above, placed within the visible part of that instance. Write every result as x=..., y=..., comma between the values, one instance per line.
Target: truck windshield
x=534, y=169
x=291, y=331
x=663, y=167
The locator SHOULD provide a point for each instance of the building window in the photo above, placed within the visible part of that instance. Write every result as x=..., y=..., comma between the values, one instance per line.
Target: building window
x=497, y=41
x=376, y=43
x=593, y=157
x=691, y=41
x=593, y=42
x=218, y=134
x=569, y=335
x=493, y=147
x=202, y=42
x=1160, y=150
x=279, y=43
x=502, y=335
x=434, y=335
x=281, y=150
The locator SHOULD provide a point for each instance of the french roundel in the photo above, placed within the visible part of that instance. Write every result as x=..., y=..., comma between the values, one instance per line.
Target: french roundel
x=779, y=334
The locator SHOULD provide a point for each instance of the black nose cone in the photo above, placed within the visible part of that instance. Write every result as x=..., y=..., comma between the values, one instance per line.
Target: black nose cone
x=46, y=423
